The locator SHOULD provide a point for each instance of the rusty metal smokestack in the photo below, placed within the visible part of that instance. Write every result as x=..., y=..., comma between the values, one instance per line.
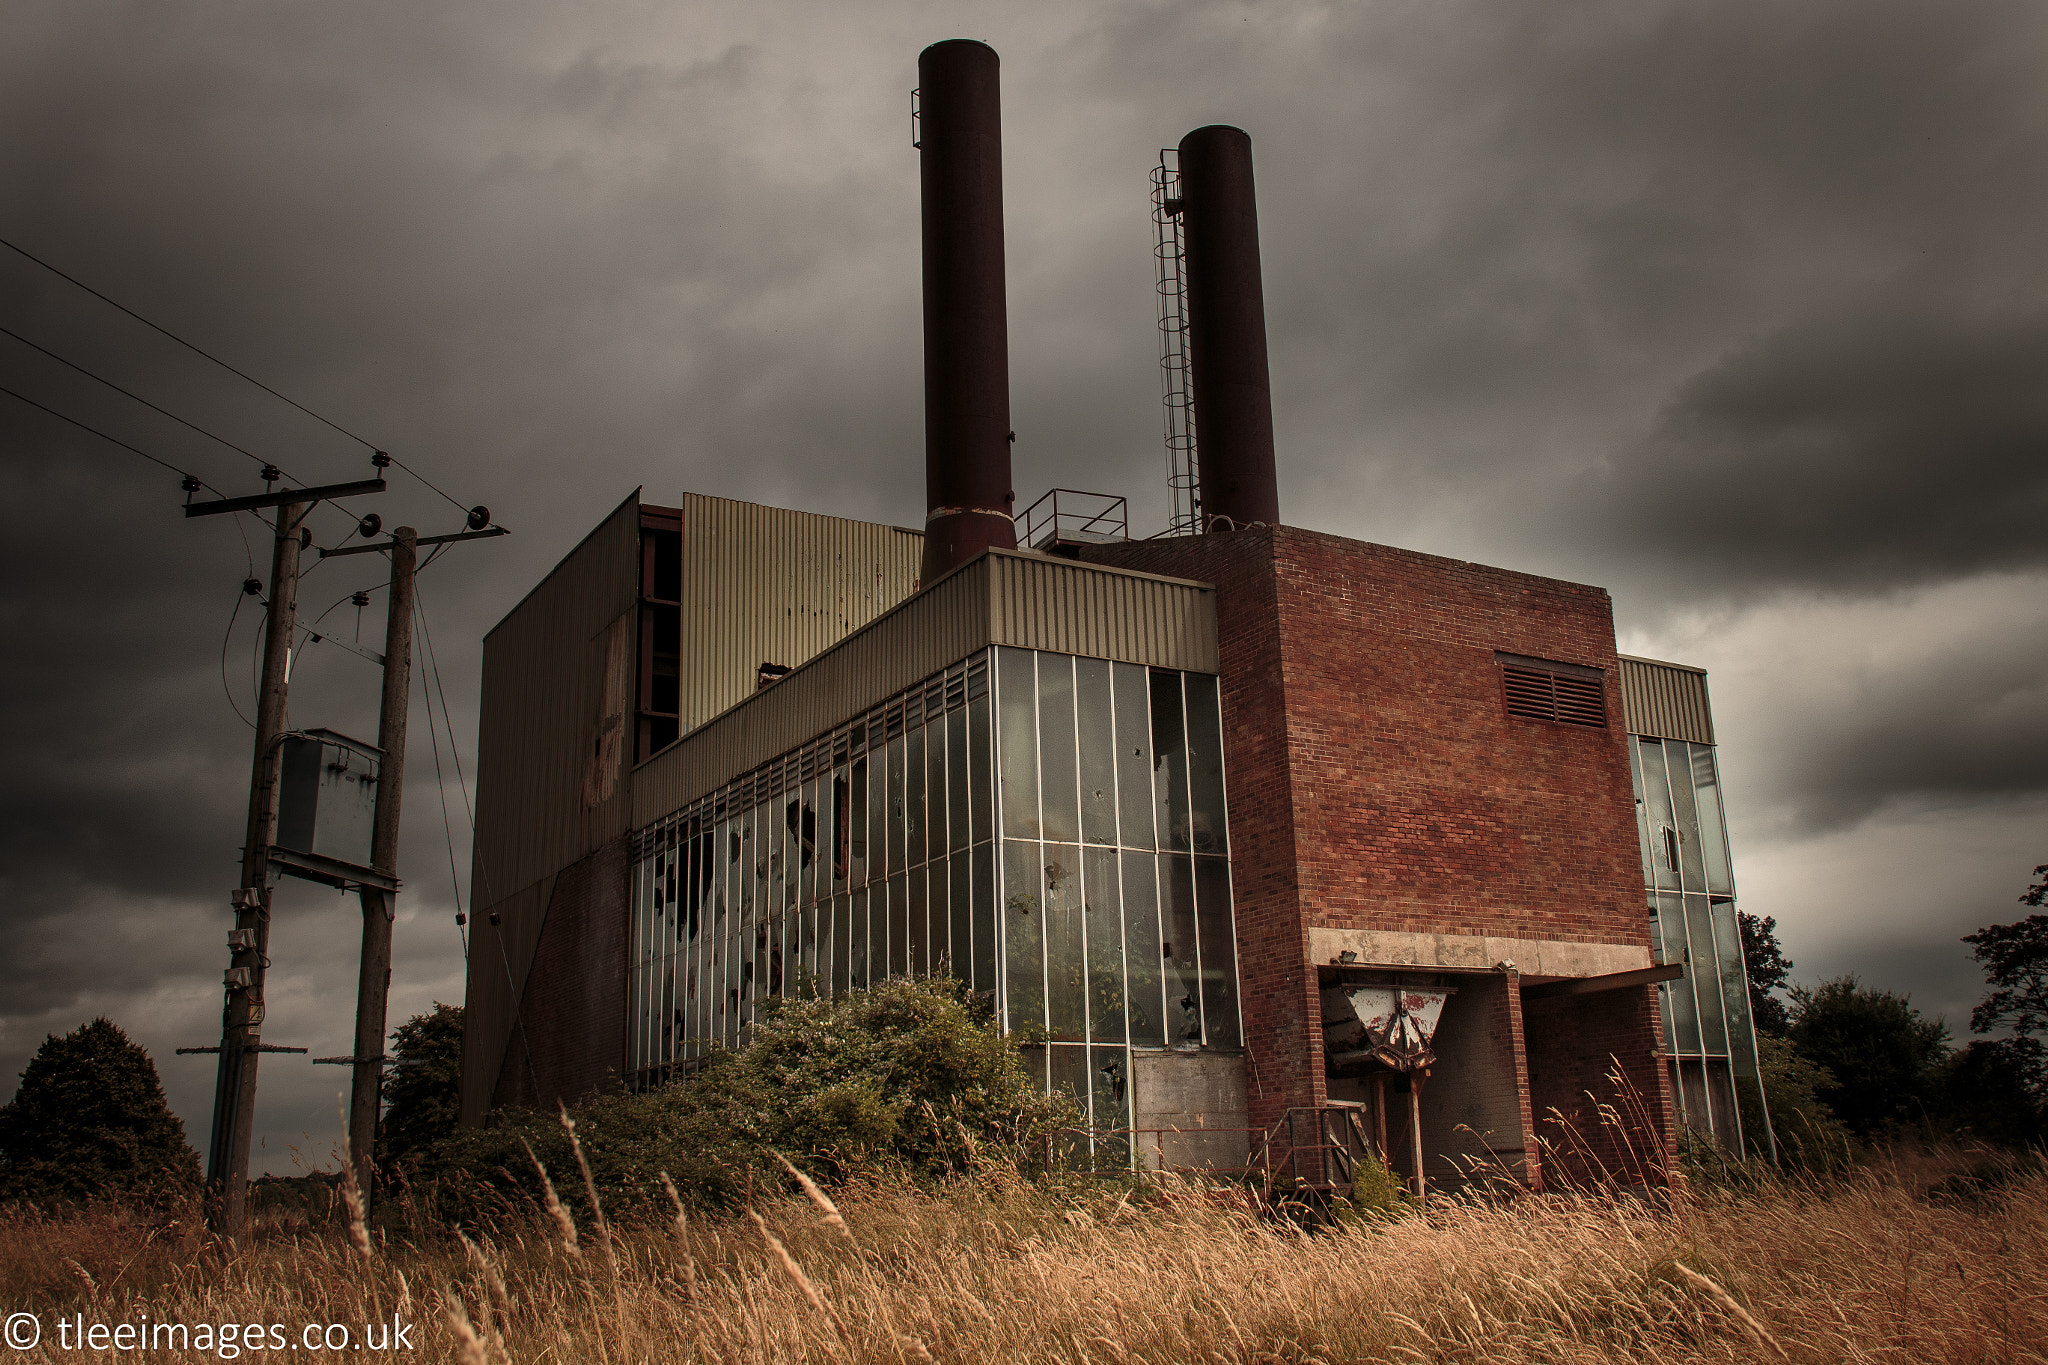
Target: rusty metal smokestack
x=1227, y=330
x=968, y=493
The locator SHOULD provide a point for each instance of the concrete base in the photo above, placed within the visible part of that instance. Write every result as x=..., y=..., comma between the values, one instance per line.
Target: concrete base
x=1195, y=1108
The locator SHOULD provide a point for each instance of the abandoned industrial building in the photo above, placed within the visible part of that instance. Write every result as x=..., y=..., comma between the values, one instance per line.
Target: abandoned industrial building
x=1261, y=840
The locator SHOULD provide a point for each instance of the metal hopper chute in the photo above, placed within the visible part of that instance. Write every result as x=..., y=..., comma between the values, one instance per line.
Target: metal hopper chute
x=1391, y=1025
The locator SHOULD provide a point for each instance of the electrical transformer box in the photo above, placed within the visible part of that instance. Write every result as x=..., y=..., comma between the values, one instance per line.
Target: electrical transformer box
x=327, y=796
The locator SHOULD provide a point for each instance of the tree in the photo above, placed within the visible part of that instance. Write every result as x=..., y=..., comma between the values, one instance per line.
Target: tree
x=89, y=1122
x=1884, y=1057
x=1999, y=1086
x=1997, y=1089
x=1767, y=968
x=2015, y=962
x=423, y=1089
x=1807, y=1131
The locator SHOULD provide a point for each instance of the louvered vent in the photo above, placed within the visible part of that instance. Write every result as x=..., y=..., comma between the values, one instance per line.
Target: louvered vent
x=1537, y=694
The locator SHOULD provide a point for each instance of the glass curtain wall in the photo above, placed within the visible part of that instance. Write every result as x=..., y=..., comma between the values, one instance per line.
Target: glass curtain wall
x=1117, y=930
x=1048, y=828
x=865, y=854
x=1708, y=1036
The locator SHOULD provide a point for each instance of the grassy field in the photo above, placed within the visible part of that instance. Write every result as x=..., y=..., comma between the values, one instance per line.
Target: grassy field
x=1912, y=1260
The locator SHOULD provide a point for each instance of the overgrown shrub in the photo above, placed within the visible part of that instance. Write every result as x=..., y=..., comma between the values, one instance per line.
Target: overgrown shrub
x=906, y=1077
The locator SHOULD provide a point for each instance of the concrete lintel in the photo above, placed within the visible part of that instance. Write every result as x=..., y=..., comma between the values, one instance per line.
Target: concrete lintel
x=1533, y=957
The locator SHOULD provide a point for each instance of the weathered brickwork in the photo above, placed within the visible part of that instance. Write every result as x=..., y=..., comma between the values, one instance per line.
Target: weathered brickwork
x=573, y=1005
x=1591, y=1128
x=1376, y=780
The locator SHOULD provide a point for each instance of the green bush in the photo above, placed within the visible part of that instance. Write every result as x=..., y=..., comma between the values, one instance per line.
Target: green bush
x=89, y=1122
x=1809, y=1135
x=906, y=1077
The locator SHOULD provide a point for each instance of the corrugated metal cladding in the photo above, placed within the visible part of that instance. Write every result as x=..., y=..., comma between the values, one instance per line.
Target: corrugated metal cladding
x=1003, y=598
x=547, y=788
x=1668, y=701
x=767, y=585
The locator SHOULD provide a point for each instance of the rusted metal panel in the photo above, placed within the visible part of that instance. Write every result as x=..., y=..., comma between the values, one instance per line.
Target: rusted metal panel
x=1004, y=597
x=768, y=585
x=545, y=795
x=543, y=711
x=1668, y=701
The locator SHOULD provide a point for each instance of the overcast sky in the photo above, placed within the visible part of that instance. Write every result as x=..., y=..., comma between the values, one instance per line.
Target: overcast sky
x=1734, y=309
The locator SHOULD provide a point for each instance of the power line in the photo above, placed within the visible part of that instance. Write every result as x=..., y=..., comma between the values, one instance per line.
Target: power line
x=247, y=549
x=104, y=437
x=224, y=365
x=128, y=393
x=441, y=782
x=102, y=379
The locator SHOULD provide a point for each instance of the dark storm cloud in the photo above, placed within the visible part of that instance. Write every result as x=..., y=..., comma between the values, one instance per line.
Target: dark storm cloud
x=1872, y=449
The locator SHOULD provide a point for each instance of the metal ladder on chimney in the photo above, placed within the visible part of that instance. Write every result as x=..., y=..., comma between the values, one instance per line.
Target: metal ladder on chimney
x=1170, y=257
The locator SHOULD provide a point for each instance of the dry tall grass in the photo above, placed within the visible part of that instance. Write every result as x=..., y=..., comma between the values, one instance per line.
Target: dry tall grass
x=1882, y=1266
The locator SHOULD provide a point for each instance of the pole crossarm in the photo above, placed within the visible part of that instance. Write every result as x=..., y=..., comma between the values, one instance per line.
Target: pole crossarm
x=350, y=1061
x=288, y=496
x=484, y=534
x=246, y=1047
x=315, y=867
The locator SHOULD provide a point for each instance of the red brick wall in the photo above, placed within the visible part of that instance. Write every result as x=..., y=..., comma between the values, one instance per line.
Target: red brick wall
x=1375, y=779
x=1593, y=1130
x=571, y=1035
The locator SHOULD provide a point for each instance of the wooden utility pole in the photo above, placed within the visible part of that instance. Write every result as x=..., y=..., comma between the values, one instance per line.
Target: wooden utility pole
x=373, y=983
x=234, y=1095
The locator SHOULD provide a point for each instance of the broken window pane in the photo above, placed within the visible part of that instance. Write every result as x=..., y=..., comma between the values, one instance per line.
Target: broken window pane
x=1218, y=951
x=1177, y=951
x=1110, y=1077
x=1141, y=949
x=1133, y=754
x=1097, y=738
x=1070, y=1078
x=1169, y=760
